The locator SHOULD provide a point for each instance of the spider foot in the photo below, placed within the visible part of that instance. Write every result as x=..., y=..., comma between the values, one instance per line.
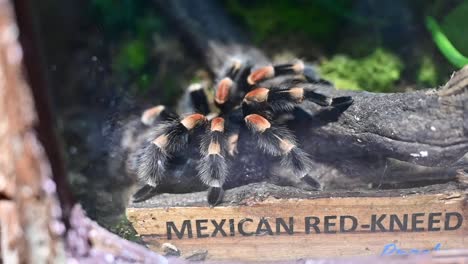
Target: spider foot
x=342, y=101
x=312, y=184
x=153, y=115
x=215, y=195
x=144, y=193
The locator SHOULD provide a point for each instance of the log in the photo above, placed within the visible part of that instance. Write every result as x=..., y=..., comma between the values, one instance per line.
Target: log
x=393, y=138
x=416, y=141
x=259, y=192
x=387, y=140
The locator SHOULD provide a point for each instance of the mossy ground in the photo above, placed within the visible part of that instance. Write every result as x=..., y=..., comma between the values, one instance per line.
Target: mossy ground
x=376, y=72
x=124, y=229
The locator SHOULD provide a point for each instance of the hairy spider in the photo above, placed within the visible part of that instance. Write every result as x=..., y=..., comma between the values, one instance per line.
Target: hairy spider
x=251, y=109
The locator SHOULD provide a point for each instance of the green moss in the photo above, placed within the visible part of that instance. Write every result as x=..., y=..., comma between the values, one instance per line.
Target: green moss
x=427, y=73
x=340, y=70
x=125, y=230
x=377, y=72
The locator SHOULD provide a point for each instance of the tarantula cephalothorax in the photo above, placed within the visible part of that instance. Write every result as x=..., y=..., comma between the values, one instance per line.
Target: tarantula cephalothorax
x=250, y=109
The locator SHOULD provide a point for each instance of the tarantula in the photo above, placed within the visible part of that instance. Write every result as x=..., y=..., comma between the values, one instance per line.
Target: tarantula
x=250, y=109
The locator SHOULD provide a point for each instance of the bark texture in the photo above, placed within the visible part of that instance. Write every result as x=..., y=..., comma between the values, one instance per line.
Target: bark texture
x=398, y=138
x=258, y=192
x=31, y=227
x=32, y=223
x=388, y=140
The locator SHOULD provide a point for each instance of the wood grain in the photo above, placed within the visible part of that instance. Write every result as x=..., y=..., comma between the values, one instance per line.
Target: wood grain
x=151, y=224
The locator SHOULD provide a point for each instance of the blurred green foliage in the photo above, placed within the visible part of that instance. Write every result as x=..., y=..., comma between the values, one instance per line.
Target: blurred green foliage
x=323, y=22
x=281, y=17
x=114, y=14
x=130, y=24
x=127, y=17
x=450, y=37
x=427, y=75
x=376, y=72
x=454, y=26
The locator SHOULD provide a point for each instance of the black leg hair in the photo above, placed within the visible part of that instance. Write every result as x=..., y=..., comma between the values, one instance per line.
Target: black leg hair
x=139, y=131
x=272, y=71
x=153, y=115
x=144, y=193
x=199, y=99
x=148, y=119
x=233, y=86
x=280, y=99
x=234, y=69
x=213, y=166
x=310, y=181
x=149, y=162
x=279, y=141
x=226, y=87
x=215, y=195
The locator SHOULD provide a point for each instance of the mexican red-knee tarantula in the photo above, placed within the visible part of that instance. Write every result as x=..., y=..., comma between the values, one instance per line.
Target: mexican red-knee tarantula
x=248, y=122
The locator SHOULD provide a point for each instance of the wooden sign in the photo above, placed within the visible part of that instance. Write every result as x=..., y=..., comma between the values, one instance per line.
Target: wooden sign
x=293, y=228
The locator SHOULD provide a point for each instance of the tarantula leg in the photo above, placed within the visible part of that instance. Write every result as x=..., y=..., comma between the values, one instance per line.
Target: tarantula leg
x=157, y=113
x=199, y=99
x=213, y=166
x=150, y=161
x=279, y=141
x=271, y=71
x=311, y=75
x=223, y=90
x=234, y=69
x=310, y=181
x=144, y=193
x=342, y=100
x=215, y=195
x=226, y=86
x=285, y=99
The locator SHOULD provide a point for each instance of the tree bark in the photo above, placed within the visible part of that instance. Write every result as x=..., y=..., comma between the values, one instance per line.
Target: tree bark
x=32, y=228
